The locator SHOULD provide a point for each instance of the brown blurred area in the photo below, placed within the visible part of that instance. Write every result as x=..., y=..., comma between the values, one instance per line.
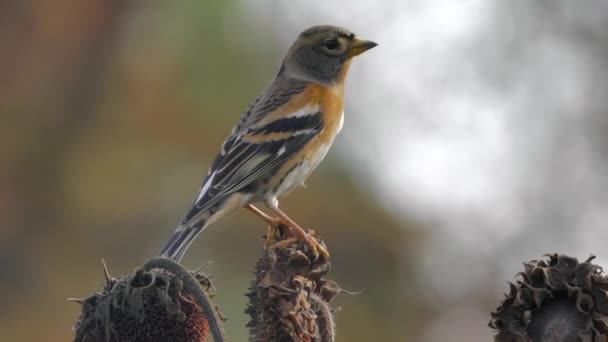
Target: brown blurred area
x=111, y=112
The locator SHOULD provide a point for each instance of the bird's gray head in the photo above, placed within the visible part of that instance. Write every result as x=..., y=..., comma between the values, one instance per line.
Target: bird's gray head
x=321, y=54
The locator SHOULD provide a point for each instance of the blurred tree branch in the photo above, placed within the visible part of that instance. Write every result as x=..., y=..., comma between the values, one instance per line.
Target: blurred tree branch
x=54, y=90
x=55, y=55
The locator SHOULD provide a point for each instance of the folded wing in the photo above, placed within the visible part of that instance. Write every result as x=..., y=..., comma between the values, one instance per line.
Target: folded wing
x=247, y=157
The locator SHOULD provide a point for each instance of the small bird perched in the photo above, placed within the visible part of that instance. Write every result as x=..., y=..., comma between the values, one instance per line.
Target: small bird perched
x=280, y=138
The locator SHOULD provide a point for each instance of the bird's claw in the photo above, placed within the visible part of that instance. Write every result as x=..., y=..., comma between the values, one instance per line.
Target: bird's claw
x=316, y=248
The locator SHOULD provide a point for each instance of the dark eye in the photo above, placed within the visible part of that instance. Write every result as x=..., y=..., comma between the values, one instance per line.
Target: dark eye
x=332, y=44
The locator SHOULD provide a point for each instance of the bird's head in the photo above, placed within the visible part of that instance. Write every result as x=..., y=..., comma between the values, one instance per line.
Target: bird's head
x=321, y=54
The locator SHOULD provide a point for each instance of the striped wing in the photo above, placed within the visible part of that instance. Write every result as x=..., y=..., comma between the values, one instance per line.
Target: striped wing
x=253, y=153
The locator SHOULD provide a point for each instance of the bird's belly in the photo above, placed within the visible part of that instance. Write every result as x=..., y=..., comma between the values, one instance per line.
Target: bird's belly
x=301, y=171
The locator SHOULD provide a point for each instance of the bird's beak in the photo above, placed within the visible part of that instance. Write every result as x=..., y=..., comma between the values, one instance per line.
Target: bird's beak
x=359, y=46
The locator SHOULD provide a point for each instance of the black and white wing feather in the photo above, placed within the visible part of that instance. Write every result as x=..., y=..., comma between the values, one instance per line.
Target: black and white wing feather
x=242, y=162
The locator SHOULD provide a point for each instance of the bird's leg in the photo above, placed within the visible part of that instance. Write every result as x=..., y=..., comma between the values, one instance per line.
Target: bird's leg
x=282, y=219
x=315, y=247
x=273, y=223
x=271, y=220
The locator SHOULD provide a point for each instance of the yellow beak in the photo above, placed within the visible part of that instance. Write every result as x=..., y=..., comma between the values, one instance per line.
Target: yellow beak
x=359, y=46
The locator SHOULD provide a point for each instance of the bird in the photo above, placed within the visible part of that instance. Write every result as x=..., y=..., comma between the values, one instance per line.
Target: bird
x=280, y=138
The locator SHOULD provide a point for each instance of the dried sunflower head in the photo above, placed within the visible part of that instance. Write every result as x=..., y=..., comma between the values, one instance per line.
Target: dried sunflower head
x=556, y=299
x=152, y=304
x=289, y=298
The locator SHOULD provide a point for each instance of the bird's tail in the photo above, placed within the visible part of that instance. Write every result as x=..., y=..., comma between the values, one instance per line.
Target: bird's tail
x=181, y=240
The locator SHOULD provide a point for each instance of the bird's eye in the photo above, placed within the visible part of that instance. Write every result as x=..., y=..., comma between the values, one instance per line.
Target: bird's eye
x=332, y=44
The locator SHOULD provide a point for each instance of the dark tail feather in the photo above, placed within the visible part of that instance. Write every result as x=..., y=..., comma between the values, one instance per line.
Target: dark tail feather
x=181, y=240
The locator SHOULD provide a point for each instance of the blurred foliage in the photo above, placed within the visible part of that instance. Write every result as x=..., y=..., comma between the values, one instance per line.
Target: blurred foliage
x=112, y=112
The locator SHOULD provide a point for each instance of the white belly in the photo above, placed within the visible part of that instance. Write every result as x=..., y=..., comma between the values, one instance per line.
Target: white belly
x=298, y=175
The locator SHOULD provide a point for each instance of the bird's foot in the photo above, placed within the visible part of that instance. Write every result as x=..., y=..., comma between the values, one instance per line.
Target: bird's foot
x=273, y=228
x=317, y=249
x=299, y=234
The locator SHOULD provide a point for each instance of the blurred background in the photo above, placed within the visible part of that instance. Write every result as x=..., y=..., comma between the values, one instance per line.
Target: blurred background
x=476, y=137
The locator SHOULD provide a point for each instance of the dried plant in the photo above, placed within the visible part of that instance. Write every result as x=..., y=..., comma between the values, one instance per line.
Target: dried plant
x=158, y=302
x=289, y=298
x=557, y=299
x=288, y=301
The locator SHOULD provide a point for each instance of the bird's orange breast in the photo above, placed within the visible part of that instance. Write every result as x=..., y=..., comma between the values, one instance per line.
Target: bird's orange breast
x=330, y=101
